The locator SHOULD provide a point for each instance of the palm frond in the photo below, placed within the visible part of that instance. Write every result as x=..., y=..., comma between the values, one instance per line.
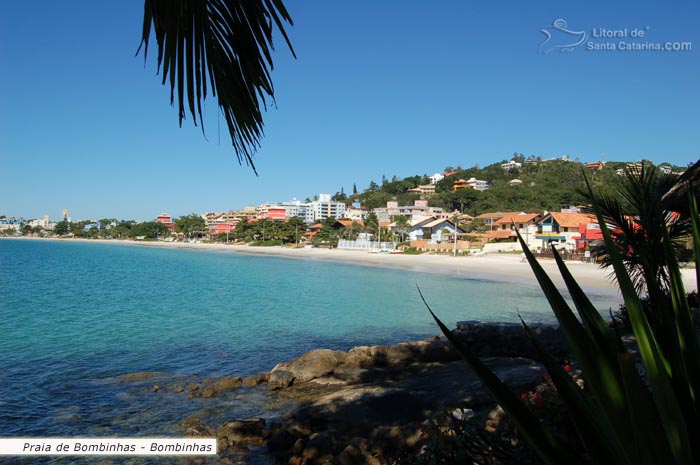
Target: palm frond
x=222, y=47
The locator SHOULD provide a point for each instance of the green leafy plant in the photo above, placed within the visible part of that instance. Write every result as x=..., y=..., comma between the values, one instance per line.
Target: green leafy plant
x=622, y=417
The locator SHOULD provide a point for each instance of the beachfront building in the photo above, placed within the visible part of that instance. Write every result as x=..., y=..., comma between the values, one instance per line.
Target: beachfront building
x=588, y=234
x=95, y=224
x=440, y=230
x=295, y=209
x=356, y=212
x=562, y=229
x=272, y=212
x=416, y=232
x=11, y=223
x=524, y=223
x=491, y=218
x=221, y=223
x=167, y=220
x=323, y=208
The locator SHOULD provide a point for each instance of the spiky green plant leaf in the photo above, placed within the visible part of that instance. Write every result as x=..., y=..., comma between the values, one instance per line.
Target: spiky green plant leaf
x=549, y=448
x=657, y=367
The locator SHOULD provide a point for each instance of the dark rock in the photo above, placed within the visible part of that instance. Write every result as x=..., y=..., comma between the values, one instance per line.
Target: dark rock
x=242, y=433
x=319, y=447
x=281, y=443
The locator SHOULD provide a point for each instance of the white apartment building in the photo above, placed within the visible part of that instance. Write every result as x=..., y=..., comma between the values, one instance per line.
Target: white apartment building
x=296, y=209
x=324, y=208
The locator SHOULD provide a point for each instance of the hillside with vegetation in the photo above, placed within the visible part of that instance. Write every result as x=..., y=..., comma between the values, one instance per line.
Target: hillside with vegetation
x=545, y=185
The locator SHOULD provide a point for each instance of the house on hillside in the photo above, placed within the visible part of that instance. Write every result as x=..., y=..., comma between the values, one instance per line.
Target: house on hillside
x=425, y=189
x=595, y=165
x=436, y=178
x=471, y=183
x=510, y=165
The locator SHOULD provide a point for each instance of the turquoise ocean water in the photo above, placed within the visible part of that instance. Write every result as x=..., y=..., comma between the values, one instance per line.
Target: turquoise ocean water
x=75, y=315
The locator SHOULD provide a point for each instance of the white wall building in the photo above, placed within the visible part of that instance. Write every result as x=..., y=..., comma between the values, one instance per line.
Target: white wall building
x=324, y=208
x=511, y=164
x=436, y=178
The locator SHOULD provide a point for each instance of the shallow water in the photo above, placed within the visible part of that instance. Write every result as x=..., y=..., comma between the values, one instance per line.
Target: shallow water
x=75, y=315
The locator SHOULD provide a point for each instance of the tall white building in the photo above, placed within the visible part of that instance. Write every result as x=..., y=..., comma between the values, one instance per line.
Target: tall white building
x=324, y=207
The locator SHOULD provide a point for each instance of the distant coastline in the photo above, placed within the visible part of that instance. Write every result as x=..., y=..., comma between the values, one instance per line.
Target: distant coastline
x=494, y=267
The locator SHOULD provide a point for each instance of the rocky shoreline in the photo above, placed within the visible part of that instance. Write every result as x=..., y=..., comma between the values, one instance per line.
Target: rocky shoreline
x=368, y=404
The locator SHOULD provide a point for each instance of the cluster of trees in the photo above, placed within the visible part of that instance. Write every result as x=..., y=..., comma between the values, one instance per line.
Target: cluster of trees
x=265, y=230
x=113, y=229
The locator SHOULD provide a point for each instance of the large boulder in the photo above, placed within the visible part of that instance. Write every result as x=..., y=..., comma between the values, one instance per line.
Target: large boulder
x=312, y=365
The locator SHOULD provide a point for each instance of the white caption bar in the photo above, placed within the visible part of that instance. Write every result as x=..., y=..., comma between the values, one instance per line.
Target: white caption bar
x=107, y=446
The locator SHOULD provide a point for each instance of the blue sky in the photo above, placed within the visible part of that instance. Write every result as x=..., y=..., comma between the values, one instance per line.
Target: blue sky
x=379, y=88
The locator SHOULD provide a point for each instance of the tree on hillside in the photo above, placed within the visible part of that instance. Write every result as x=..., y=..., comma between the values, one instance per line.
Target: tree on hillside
x=222, y=48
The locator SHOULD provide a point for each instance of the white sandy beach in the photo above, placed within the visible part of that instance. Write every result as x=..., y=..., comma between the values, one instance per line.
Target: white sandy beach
x=497, y=267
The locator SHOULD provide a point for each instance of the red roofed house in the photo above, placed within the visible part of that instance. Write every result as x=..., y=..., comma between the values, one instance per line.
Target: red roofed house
x=524, y=223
